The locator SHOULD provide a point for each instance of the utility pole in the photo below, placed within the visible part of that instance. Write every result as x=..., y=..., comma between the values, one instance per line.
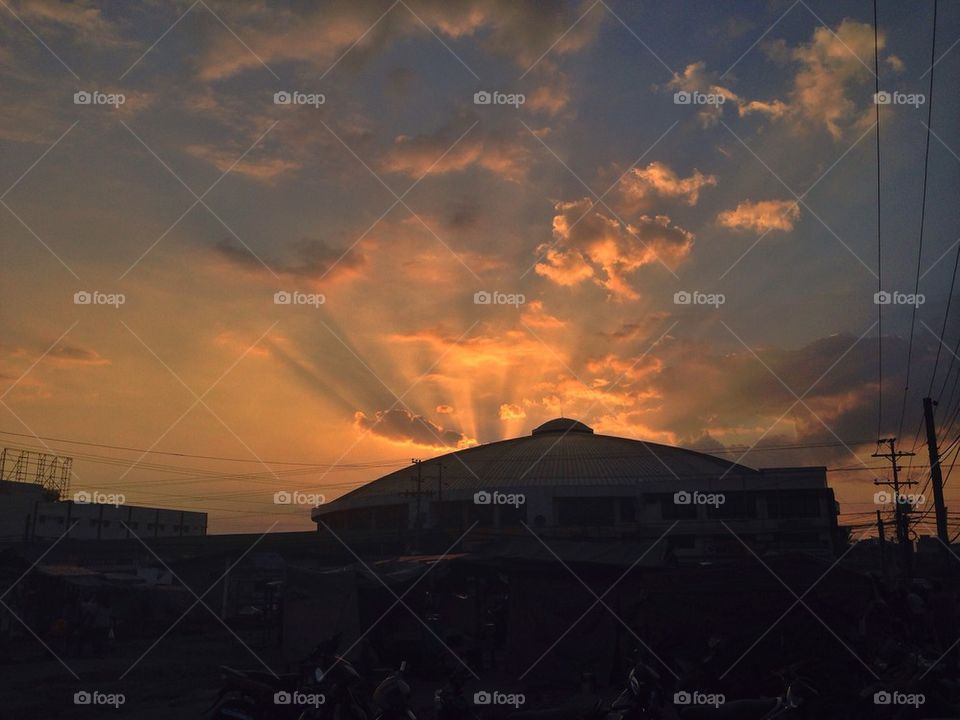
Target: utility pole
x=418, y=523
x=936, y=478
x=902, y=528
x=883, y=545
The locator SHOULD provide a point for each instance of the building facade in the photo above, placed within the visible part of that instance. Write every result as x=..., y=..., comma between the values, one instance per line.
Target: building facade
x=566, y=481
x=28, y=511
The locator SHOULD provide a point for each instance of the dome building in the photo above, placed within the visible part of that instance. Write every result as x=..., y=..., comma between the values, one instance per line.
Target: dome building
x=565, y=480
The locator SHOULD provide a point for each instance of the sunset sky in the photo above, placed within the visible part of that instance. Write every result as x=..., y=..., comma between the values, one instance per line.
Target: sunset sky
x=397, y=199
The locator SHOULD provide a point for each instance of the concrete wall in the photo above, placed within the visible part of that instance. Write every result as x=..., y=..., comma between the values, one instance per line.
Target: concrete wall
x=91, y=521
x=28, y=511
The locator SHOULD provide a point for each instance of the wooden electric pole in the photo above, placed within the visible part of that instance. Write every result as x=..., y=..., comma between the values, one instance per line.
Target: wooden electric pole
x=881, y=537
x=936, y=478
x=899, y=509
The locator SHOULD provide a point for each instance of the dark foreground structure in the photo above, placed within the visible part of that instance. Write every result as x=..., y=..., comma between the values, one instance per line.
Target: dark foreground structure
x=685, y=585
x=566, y=481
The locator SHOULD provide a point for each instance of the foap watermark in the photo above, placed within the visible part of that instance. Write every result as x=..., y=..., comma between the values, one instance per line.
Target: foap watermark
x=885, y=697
x=95, y=697
x=85, y=97
x=685, y=697
x=685, y=497
x=286, y=297
x=899, y=298
x=295, y=497
x=295, y=97
x=886, y=97
x=695, y=297
x=888, y=498
x=484, y=297
x=95, y=497
x=496, y=97
x=485, y=497
x=495, y=697
x=695, y=97
x=95, y=297
x=283, y=697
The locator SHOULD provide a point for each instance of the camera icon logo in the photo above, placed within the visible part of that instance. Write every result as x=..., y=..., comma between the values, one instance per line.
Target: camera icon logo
x=282, y=497
x=882, y=498
x=682, y=498
x=682, y=297
x=882, y=98
x=82, y=697
x=282, y=697
x=282, y=98
x=82, y=97
x=482, y=698
x=482, y=98
x=282, y=297
x=482, y=498
x=882, y=298
x=82, y=497
x=82, y=297
x=682, y=97
x=682, y=698
x=482, y=297
x=882, y=697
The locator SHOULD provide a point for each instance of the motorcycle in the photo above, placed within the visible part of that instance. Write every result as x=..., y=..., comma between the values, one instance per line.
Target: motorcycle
x=392, y=696
x=450, y=703
x=642, y=698
x=792, y=703
x=323, y=688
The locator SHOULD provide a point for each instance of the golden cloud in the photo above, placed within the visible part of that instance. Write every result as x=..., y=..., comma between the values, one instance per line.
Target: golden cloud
x=657, y=179
x=589, y=244
x=763, y=216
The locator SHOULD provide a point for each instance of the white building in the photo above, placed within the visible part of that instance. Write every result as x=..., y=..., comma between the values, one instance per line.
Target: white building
x=27, y=511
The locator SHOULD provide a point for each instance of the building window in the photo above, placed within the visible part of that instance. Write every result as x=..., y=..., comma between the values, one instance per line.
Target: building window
x=628, y=509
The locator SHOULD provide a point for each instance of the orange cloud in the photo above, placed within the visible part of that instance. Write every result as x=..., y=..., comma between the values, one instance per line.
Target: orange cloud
x=400, y=425
x=832, y=64
x=551, y=98
x=611, y=251
x=436, y=153
x=763, y=216
x=255, y=165
x=656, y=179
x=509, y=411
x=535, y=316
x=313, y=260
x=71, y=356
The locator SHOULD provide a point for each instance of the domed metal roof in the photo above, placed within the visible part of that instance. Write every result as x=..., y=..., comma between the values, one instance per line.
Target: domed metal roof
x=564, y=425
x=561, y=452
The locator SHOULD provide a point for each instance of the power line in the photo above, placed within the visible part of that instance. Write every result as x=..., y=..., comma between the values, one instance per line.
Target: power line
x=876, y=74
x=923, y=210
x=165, y=452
